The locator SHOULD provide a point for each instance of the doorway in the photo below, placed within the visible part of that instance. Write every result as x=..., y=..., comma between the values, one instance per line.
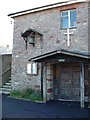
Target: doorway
x=67, y=81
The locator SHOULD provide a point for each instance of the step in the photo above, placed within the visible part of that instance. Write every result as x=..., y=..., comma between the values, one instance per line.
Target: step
x=5, y=92
x=5, y=89
x=8, y=83
x=7, y=86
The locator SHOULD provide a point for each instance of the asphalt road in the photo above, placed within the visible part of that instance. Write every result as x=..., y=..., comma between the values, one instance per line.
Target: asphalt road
x=13, y=108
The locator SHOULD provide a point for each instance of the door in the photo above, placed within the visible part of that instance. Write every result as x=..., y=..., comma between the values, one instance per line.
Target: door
x=67, y=81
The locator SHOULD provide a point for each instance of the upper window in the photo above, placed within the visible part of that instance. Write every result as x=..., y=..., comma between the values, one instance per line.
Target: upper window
x=68, y=19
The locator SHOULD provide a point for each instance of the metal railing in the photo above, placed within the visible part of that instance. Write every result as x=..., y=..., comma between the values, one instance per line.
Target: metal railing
x=9, y=69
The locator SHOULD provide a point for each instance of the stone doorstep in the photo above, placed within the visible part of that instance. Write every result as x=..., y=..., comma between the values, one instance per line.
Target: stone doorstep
x=9, y=83
x=5, y=89
x=4, y=92
x=26, y=99
x=7, y=86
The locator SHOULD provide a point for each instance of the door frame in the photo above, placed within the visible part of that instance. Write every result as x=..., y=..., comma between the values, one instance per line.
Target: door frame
x=58, y=82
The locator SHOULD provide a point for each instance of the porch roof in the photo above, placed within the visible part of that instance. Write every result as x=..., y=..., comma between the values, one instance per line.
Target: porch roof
x=79, y=54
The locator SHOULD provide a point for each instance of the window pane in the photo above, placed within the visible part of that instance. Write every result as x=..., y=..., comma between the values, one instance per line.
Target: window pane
x=29, y=68
x=65, y=13
x=34, y=68
x=72, y=18
x=64, y=22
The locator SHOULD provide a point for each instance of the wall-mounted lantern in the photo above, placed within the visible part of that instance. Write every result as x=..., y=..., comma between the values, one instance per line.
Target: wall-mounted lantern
x=29, y=36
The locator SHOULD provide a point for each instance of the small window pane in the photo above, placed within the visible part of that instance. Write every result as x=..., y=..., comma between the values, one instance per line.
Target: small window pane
x=72, y=18
x=29, y=68
x=34, y=68
x=65, y=13
x=64, y=22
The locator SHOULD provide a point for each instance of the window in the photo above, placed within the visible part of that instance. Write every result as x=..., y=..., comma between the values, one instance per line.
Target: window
x=68, y=19
x=32, y=68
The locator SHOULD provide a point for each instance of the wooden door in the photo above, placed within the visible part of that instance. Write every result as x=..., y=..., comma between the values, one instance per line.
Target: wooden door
x=67, y=81
x=70, y=81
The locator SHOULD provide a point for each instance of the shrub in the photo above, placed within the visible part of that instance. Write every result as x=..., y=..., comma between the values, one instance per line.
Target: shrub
x=16, y=93
x=27, y=94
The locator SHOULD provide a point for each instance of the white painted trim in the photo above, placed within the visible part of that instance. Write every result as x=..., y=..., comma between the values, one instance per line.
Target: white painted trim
x=47, y=7
x=69, y=18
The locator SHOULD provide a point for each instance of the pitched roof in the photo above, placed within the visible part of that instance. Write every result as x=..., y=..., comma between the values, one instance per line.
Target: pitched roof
x=68, y=2
x=83, y=54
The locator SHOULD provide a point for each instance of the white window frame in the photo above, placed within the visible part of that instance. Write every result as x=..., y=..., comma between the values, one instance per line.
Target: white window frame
x=69, y=19
x=32, y=68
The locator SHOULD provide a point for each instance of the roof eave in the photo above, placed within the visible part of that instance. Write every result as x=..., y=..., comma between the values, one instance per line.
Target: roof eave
x=45, y=8
x=60, y=52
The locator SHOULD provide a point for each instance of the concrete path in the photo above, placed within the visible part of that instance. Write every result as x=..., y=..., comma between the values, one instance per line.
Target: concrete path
x=13, y=108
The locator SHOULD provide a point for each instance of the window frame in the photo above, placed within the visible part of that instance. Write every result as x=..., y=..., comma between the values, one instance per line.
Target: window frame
x=69, y=19
x=30, y=68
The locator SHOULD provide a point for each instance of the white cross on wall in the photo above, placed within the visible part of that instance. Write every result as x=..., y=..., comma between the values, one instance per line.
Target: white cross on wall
x=68, y=36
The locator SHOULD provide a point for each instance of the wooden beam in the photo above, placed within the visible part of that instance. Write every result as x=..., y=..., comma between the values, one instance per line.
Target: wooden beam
x=44, y=84
x=42, y=79
x=82, y=84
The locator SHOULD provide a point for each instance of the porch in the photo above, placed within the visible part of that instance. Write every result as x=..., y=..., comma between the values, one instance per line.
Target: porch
x=65, y=76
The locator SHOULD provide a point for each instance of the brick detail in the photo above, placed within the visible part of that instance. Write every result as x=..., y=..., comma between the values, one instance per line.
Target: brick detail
x=69, y=7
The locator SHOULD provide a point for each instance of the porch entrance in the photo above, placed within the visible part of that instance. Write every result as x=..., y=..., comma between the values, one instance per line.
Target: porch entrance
x=67, y=81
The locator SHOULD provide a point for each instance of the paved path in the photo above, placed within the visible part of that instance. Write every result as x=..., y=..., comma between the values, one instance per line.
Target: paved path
x=13, y=108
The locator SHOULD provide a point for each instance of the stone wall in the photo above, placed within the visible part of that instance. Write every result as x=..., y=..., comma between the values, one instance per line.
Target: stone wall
x=48, y=23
